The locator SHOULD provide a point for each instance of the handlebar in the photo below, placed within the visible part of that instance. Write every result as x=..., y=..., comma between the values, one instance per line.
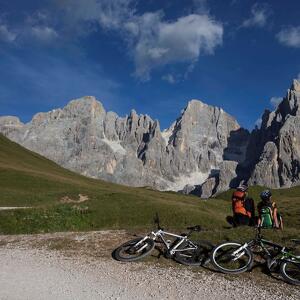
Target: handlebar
x=156, y=221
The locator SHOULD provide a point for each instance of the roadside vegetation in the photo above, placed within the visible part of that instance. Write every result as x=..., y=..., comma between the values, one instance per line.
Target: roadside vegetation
x=52, y=194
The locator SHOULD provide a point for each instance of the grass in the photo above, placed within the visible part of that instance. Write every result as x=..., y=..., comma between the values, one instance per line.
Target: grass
x=28, y=179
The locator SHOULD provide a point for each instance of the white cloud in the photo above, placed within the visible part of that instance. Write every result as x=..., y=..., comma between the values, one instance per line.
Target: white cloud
x=169, y=78
x=258, y=122
x=160, y=43
x=152, y=41
x=33, y=26
x=110, y=14
x=298, y=78
x=259, y=15
x=290, y=37
x=44, y=33
x=37, y=17
x=7, y=35
x=114, y=12
x=275, y=101
x=188, y=71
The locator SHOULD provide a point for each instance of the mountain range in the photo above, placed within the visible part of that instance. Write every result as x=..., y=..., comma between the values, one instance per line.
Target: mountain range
x=205, y=151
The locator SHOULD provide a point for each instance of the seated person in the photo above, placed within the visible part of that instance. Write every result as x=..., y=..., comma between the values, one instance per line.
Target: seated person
x=242, y=207
x=268, y=215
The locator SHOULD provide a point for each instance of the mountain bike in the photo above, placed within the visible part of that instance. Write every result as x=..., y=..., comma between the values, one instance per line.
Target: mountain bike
x=233, y=258
x=181, y=249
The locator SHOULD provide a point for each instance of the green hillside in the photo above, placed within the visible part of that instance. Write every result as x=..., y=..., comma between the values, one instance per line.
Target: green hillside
x=28, y=179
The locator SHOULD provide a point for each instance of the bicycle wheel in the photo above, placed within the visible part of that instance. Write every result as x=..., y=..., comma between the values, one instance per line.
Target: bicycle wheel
x=193, y=253
x=227, y=258
x=290, y=271
x=133, y=250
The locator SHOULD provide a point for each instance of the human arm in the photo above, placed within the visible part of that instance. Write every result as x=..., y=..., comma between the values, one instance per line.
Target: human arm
x=276, y=223
x=258, y=221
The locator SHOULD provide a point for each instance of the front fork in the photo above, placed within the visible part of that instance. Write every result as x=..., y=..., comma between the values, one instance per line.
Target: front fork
x=153, y=237
x=239, y=252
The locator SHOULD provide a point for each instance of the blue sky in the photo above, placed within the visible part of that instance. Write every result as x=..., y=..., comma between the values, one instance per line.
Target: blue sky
x=153, y=56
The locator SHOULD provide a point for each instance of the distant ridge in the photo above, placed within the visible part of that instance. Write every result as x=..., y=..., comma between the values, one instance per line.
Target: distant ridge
x=204, y=152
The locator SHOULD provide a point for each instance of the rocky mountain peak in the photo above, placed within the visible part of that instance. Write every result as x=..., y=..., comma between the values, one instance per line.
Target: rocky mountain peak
x=9, y=124
x=133, y=114
x=10, y=121
x=276, y=146
x=86, y=106
x=194, y=107
x=205, y=147
x=296, y=85
x=132, y=150
x=195, y=103
x=197, y=111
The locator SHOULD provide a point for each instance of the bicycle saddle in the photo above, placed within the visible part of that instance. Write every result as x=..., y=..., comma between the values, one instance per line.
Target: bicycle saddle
x=194, y=228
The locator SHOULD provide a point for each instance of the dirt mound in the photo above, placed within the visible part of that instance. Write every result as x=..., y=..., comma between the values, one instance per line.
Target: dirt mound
x=81, y=198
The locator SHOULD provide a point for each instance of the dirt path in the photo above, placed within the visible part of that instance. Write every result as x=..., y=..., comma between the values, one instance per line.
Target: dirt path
x=13, y=207
x=79, y=266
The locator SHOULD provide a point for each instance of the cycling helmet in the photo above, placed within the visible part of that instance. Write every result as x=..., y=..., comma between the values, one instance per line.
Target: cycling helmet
x=266, y=195
x=242, y=188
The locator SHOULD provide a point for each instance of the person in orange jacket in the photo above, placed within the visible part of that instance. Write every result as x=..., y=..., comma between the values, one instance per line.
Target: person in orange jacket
x=242, y=207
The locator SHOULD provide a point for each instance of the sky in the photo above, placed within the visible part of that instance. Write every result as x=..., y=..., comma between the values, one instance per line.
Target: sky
x=149, y=55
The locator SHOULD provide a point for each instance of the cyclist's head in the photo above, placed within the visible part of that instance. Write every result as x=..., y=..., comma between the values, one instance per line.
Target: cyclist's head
x=266, y=195
x=242, y=188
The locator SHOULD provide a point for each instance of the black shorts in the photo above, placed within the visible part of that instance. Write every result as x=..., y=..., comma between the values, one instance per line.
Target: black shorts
x=240, y=219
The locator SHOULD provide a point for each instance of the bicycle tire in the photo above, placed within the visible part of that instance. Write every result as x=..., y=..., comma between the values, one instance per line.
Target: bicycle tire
x=287, y=275
x=216, y=258
x=195, y=257
x=127, y=253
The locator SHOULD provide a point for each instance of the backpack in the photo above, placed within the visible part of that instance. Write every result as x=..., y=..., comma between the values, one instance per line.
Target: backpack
x=238, y=203
x=266, y=215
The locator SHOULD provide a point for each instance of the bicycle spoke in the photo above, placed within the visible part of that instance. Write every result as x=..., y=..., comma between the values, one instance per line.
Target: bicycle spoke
x=228, y=258
x=292, y=270
x=134, y=249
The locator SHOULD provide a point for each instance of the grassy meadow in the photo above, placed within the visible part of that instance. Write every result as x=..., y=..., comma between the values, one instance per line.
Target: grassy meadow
x=28, y=179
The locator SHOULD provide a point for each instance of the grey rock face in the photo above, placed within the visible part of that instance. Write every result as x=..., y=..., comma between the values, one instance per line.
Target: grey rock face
x=201, y=134
x=204, y=152
x=219, y=180
x=267, y=167
x=199, y=142
x=274, y=150
x=83, y=137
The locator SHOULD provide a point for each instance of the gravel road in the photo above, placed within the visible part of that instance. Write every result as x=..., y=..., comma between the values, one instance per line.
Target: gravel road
x=30, y=269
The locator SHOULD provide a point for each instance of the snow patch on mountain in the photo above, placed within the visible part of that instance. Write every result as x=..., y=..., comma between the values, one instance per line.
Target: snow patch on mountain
x=195, y=178
x=115, y=146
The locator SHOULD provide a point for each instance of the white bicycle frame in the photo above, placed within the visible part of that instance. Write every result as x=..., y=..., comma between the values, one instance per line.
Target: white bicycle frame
x=172, y=250
x=237, y=254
